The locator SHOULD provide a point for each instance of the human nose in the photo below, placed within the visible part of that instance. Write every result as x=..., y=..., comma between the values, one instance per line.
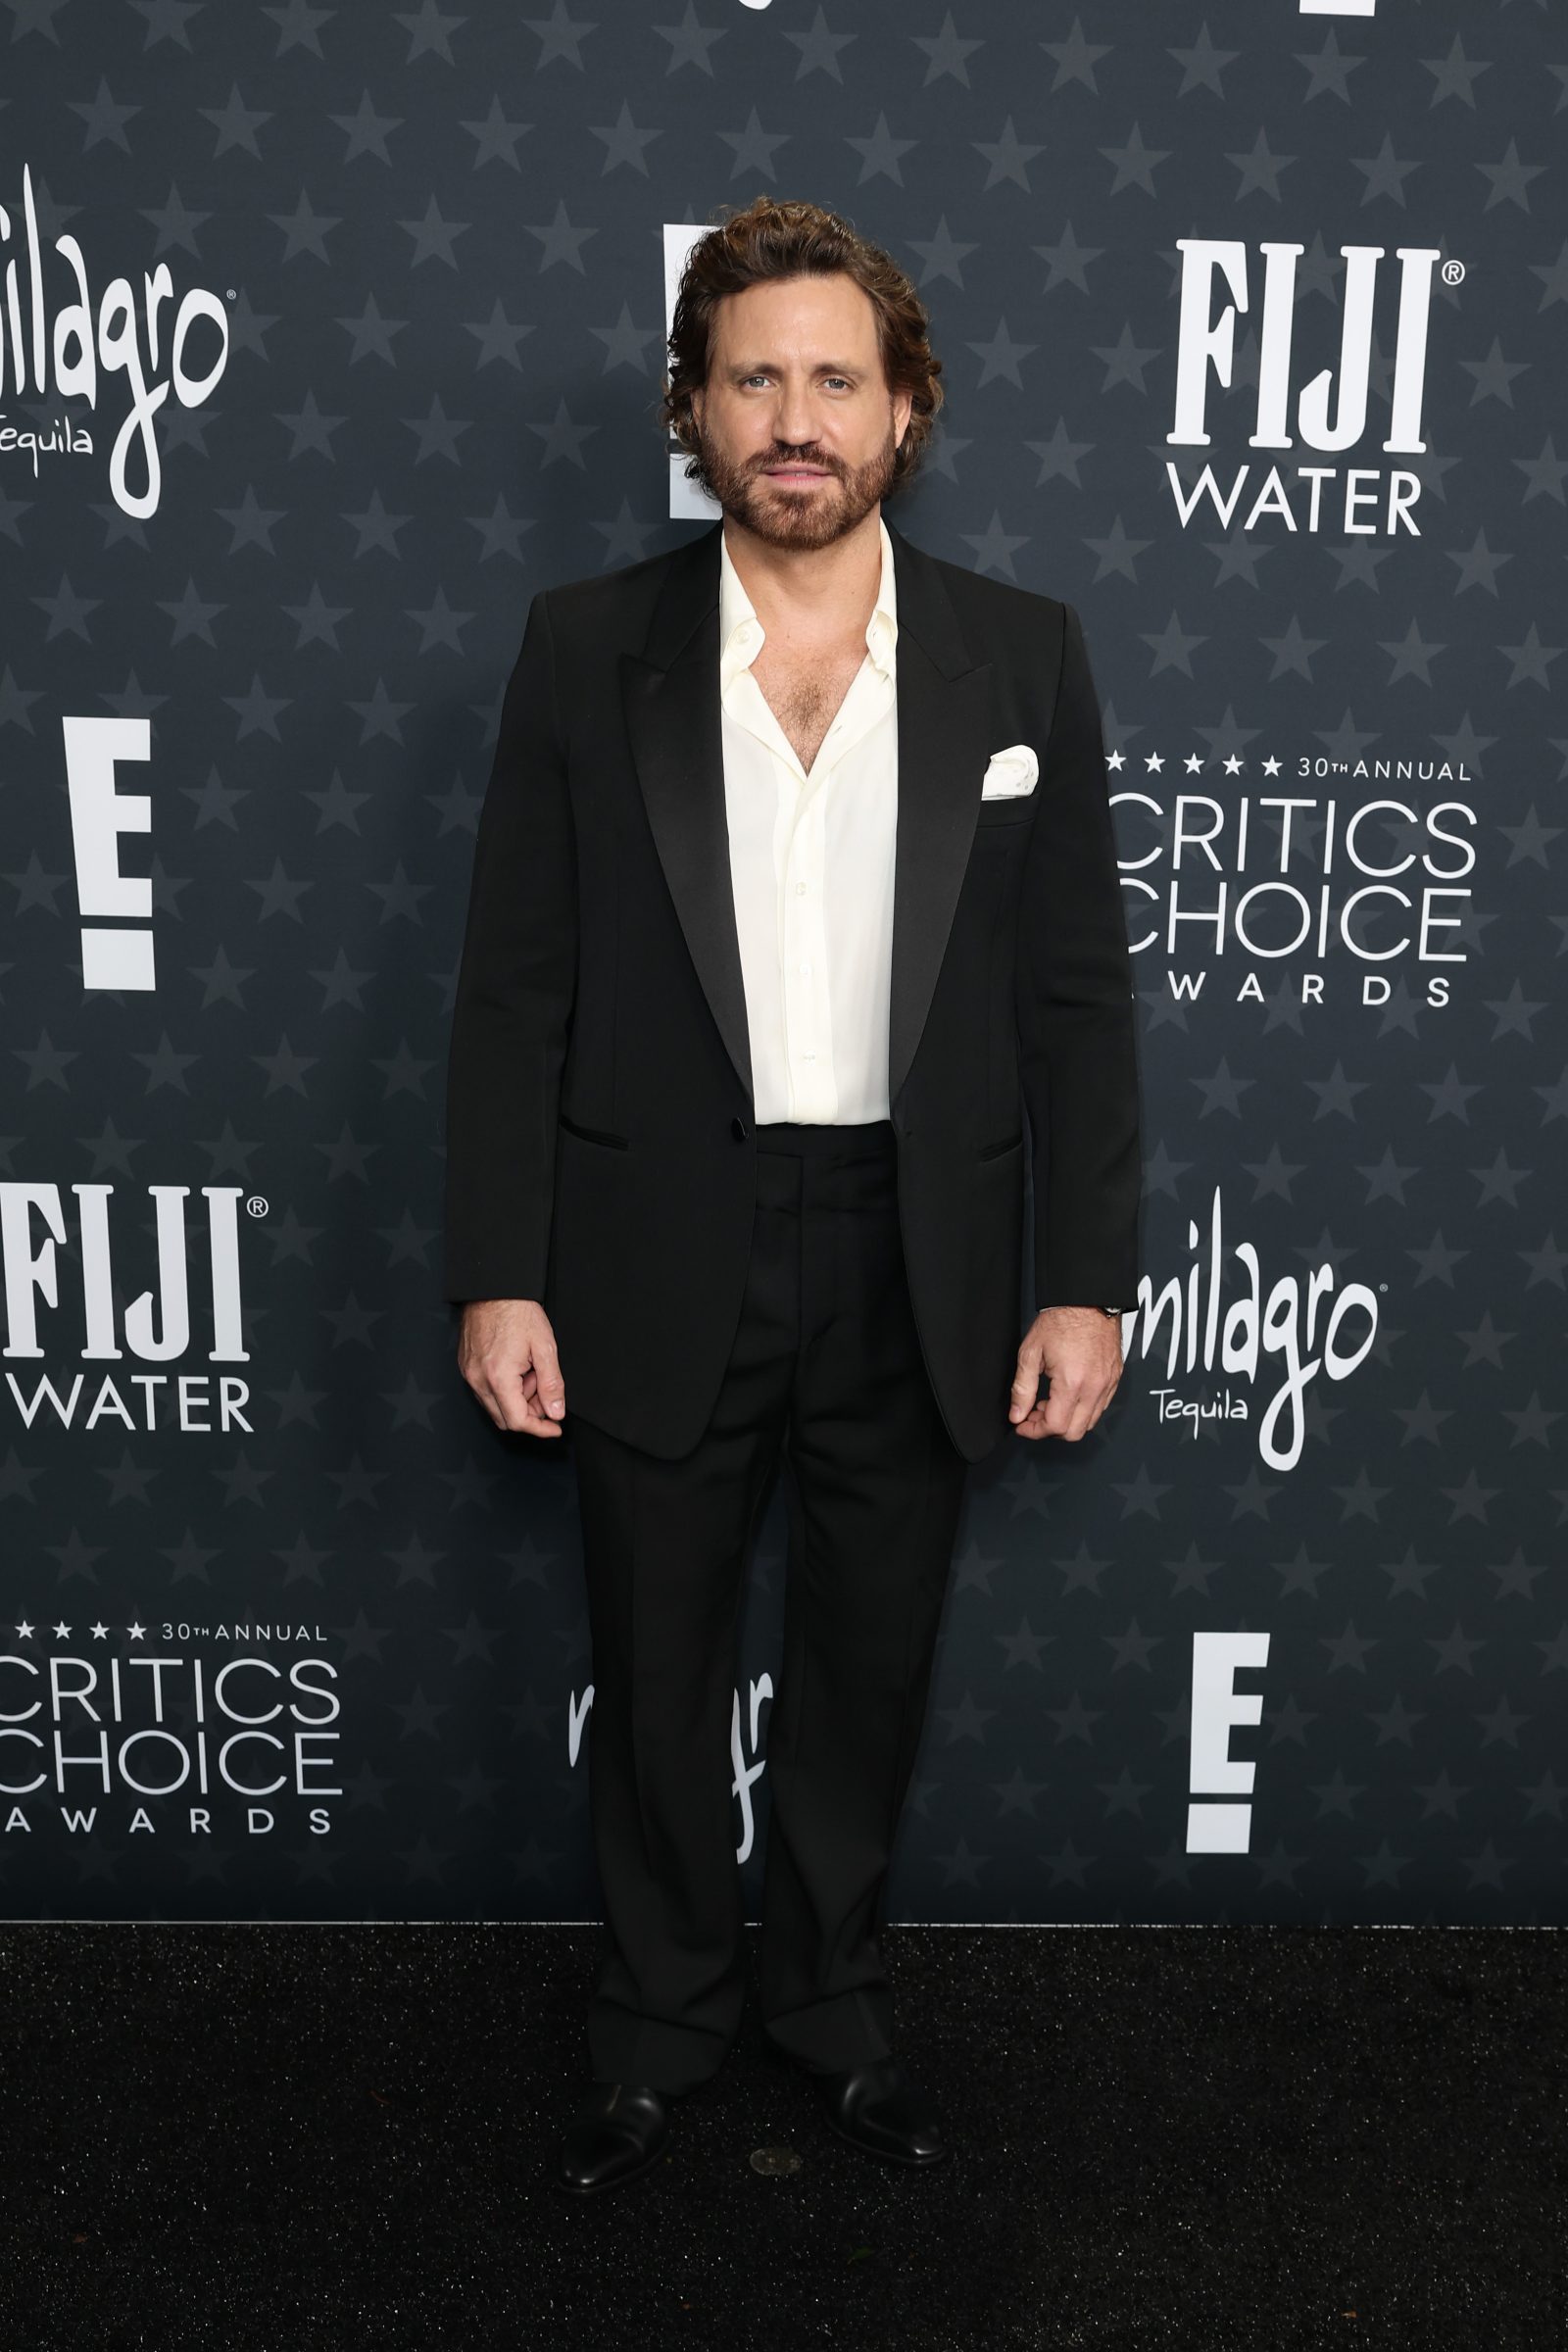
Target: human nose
x=796, y=416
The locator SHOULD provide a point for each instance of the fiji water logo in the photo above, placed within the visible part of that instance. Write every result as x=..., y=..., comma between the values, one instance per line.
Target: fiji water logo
x=1326, y=416
x=1298, y=1331
x=55, y=339
x=97, y=1313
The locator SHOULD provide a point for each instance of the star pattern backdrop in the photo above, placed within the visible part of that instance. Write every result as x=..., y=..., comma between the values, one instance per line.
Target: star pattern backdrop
x=289, y=1631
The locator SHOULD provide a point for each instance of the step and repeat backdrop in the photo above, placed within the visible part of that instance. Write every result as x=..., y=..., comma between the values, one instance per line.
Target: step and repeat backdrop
x=330, y=335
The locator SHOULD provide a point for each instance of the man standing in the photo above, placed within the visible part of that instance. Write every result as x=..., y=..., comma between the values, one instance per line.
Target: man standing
x=795, y=890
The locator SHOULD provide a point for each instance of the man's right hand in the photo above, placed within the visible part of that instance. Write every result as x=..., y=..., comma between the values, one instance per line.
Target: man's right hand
x=507, y=1354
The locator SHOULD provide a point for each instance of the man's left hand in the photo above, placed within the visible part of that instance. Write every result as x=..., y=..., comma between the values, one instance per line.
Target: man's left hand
x=1077, y=1350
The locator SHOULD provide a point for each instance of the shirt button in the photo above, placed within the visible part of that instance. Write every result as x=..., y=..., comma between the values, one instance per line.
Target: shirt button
x=800, y=890
x=806, y=967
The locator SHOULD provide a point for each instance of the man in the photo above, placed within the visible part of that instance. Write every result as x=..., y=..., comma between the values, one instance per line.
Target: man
x=795, y=888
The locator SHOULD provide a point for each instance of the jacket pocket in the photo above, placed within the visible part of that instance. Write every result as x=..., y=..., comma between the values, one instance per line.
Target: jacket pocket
x=593, y=1135
x=1015, y=809
x=994, y=1150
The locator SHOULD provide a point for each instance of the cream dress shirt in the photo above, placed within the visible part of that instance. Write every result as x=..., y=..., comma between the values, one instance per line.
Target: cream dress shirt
x=811, y=864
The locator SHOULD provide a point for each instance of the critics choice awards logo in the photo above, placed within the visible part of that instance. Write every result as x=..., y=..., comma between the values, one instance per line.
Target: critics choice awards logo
x=1343, y=882
x=137, y=1727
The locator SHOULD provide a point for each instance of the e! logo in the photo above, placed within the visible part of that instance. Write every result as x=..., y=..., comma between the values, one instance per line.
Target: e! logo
x=1221, y=1828
x=99, y=814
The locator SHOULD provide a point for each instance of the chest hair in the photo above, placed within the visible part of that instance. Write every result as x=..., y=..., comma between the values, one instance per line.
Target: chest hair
x=805, y=695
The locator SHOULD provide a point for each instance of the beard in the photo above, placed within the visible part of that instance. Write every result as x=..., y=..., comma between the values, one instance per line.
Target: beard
x=786, y=517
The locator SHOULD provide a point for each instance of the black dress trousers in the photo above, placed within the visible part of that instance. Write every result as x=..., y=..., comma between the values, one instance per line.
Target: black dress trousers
x=826, y=1372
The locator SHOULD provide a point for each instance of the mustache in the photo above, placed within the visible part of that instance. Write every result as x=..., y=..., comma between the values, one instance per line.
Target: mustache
x=795, y=456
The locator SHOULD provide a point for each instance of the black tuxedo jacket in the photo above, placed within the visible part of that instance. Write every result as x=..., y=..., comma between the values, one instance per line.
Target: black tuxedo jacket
x=600, y=1147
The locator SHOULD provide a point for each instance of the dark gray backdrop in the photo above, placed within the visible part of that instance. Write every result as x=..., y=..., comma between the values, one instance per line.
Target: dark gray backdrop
x=435, y=242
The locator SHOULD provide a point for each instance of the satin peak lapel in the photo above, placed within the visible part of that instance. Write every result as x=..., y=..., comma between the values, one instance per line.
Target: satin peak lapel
x=943, y=715
x=671, y=697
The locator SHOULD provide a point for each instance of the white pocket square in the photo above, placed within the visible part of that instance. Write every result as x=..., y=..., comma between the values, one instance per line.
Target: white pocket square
x=1010, y=773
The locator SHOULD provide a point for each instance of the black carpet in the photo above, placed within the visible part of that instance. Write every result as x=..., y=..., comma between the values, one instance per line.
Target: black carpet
x=322, y=2137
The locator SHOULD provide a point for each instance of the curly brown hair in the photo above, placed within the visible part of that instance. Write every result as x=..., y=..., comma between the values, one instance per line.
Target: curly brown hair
x=773, y=239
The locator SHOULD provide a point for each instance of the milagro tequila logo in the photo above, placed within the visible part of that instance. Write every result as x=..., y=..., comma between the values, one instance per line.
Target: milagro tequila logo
x=155, y=1330
x=747, y=1765
x=1296, y=1332
x=1329, y=411
x=53, y=343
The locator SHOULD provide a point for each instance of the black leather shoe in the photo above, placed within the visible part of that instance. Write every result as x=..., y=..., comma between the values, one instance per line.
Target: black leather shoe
x=618, y=2129
x=879, y=2110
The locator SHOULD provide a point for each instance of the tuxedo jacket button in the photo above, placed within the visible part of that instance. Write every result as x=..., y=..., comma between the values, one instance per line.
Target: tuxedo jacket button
x=737, y=1128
